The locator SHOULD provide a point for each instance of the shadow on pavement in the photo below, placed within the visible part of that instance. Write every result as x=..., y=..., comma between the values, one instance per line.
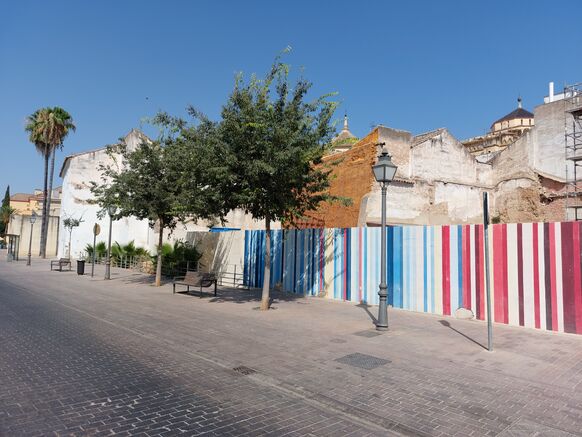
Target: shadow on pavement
x=448, y=325
x=234, y=295
x=365, y=308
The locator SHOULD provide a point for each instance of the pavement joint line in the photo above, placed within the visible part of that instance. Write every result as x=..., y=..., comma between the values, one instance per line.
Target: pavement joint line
x=264, y=380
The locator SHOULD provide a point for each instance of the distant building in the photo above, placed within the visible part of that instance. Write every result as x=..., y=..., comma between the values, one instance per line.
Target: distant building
x=25, y=204
x=503, y=132
x=440, y=180
x=345, y=139
x=80, y=169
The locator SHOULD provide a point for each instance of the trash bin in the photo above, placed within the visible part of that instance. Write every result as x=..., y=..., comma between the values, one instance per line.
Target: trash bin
x=80, y=267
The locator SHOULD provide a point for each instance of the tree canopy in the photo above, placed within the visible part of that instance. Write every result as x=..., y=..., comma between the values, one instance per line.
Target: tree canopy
x=5, y=206
x=275, y=141
x=165, y=181
x=47, y=129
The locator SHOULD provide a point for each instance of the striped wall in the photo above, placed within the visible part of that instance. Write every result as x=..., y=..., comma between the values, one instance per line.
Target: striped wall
x=535, y=269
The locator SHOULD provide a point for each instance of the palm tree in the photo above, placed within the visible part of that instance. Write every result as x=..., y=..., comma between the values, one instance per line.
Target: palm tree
x=6, y=214
x=48, y=128
x=36, y=125
x=63, y=124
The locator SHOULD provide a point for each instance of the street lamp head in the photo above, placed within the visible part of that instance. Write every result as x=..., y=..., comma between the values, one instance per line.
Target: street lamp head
x=384, y=170
x=33, y=217
x=111, y=210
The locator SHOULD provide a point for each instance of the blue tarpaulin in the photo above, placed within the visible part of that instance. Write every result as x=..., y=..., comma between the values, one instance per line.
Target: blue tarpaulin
x=224, y=229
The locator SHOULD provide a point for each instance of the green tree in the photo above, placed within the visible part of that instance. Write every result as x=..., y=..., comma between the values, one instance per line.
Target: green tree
x=159, y=180
x=6, y=215
x=275, y=142
x=5, y=206
x=48, y=128
x=69, y=224
x=36, y=125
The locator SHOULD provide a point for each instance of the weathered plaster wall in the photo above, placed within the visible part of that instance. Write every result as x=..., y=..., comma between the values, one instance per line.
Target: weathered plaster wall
x=79, y=172
x=443, y=158
x=398, y=145
x=548, y=139
x=438, y=181
x=444, y=184
x=20, y=225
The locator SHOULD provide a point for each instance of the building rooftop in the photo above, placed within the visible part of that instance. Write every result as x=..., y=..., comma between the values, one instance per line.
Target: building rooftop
x=421, y=138
x=21, y=197
x=345, y=133
x=516, y=113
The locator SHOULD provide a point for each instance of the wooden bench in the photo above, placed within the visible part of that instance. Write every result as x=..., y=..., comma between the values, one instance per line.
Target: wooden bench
x=60, y=263
x=195, y=279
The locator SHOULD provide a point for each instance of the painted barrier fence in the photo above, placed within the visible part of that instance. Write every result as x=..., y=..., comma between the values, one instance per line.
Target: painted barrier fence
x=535, y=273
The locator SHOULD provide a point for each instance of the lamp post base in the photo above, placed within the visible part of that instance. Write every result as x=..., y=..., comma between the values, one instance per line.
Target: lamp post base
x=381, y=327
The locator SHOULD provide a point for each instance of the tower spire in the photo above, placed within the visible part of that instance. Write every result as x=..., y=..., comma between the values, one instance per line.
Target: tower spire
x=519, y=101
x=345, y=121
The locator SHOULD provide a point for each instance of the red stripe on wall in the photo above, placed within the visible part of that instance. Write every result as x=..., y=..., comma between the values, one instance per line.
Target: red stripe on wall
x=478, y=272
x=498, y=273
x=505, y=280
x=554, y=294
x=536, y=278
x=568, y=276
x=481, y=268
x=520, y=272
x=446, y=261
x=578, y=276
x=466, y=267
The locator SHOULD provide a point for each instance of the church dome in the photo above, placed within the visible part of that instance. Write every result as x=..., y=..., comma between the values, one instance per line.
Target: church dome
x=516, y=119
x=345, y=135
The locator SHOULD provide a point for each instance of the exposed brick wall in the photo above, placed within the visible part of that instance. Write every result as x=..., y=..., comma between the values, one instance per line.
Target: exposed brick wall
x=352, y=178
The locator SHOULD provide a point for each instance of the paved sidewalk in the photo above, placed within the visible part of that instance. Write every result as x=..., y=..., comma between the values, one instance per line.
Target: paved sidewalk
x=309, y=366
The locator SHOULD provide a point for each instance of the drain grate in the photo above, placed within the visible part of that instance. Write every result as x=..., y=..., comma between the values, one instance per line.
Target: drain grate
x=244, y=370
x=368, y=333
x=362, y=361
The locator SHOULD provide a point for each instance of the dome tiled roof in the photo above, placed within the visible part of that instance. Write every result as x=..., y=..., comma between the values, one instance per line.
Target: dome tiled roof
x=345, y=134
x=515, y=114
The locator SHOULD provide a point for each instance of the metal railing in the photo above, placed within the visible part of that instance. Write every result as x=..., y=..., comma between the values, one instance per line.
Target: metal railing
x=230, y=275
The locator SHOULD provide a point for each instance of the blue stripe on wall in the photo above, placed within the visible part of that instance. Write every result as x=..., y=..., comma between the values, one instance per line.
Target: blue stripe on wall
x=460, y=257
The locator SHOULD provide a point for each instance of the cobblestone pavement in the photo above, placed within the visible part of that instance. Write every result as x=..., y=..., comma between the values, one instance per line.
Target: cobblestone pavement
x=82, y=356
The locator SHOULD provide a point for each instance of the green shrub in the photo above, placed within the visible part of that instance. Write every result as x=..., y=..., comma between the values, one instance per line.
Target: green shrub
x=177, y=258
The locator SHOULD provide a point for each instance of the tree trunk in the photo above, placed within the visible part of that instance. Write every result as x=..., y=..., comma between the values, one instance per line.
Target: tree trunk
x=159, y=266
x=44, y=201
x=70, y=236
x=267, y=278
x=48, y=202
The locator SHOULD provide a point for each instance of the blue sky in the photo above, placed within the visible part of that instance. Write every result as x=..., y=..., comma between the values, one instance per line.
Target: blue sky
x=414, y=65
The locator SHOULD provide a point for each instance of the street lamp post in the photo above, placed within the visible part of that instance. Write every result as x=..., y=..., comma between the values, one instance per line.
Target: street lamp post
x=110, y=211
x=32, y=220
x=384, y=172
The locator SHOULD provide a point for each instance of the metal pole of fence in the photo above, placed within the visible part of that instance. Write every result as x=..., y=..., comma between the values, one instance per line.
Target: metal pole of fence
x=94, y=254
x=487, y=284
